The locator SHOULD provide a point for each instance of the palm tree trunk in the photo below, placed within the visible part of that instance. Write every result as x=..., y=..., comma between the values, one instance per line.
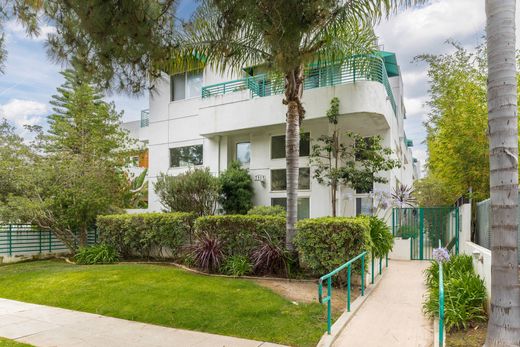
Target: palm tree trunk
x=504, y=320
x=295, y=112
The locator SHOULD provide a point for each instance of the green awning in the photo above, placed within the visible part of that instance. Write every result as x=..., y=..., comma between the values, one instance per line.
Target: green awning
x=392, y=69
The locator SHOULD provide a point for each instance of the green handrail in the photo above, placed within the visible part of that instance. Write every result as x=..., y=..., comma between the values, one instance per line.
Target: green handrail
x=441, y=303
x=328, y=277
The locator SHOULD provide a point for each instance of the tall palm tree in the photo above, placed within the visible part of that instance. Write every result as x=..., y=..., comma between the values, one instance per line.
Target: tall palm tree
x=504, y=322
x=284, y=36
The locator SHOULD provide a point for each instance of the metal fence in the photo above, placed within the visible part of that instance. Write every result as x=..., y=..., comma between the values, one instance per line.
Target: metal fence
x=23, y=239
x=483, y=227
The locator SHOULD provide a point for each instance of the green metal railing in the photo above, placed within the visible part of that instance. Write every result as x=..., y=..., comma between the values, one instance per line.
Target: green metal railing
x=357, y=68
x=328, y=277
x=28, y=239
x=441, y=303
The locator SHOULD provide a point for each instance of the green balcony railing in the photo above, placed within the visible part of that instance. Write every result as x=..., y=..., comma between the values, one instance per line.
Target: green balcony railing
x=357, y=68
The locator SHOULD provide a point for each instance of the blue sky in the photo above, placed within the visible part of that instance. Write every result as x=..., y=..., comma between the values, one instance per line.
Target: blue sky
x=30, y=78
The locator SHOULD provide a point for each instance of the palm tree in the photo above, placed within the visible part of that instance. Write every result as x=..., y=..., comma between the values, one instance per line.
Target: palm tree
x=504, y=321
x=284, y=36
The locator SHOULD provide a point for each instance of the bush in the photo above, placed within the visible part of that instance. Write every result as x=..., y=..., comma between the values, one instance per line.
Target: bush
x=141, y=234
x=267, y=211
x=236, y=188
x=237, y=265
x=270, y=257
x=381, y=238
x=328, y=242
x=464, y=293
x=97, y=254
x=196, y=191
x=241, y=234
x=207, y=252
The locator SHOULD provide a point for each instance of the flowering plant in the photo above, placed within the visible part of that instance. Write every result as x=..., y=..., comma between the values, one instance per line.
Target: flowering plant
x=441, y=254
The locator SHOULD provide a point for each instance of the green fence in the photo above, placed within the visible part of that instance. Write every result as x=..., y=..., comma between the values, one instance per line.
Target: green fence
x=425, y=227
x=483, y=235
x=357, y=68
x=22, y=239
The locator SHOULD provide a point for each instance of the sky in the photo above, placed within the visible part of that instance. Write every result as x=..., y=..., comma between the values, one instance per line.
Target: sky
x=30, y=78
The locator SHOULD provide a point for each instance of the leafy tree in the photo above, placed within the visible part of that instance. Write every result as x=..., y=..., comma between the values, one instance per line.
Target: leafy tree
x=430, y=192
x=284, y=36
x=353, y=164
x=77, y=170
x=193, y=191
x=15, y=160
x=236, y=187
x=504, y=320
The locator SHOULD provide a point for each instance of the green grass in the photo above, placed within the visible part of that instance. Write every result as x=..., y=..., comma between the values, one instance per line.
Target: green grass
x=11, y=343
x=166, y=296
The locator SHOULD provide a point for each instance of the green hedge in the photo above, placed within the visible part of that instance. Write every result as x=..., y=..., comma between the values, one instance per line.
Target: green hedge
x=328, y=242
x=240, y=234
x=139, y=234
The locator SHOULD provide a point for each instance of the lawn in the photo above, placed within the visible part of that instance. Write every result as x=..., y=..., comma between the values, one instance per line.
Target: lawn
x=11, y=343
x=166, y=296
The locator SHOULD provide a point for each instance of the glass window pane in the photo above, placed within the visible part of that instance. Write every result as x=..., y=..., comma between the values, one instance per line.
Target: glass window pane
x=364, y=206
x=244, y=153
x=303, y=206
x=304, y=178
x=186, y=156
x=194, y=83
x=278, y=179
x=278, y=146
x=178, y=86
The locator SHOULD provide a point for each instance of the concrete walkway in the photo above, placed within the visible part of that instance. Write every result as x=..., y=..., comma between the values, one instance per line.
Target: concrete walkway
x=392, y=314
x=48, y=326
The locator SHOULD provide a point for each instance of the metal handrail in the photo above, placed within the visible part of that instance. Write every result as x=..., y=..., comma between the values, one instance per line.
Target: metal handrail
x=441, y=302
x=356, y=68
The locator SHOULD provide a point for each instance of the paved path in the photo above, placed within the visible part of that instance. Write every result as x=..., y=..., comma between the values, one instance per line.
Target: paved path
x=48, y=326
x=392, y=314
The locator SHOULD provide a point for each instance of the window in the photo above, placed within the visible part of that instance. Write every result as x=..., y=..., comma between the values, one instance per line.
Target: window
x=185, y=85
x=303, y=206
x=364, y=206
x=279, y=179
x=186, y=156
x=243, y=153
x=278, y=146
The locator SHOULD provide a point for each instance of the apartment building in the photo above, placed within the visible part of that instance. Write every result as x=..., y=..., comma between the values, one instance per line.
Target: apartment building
x=206, y=119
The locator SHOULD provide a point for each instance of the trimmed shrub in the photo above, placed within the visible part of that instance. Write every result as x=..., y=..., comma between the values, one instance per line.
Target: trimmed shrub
x=97, y=254
x=241, y=234
x=141, y=234
x=236, y=188
x=328, y=242
x=464, y=293
x=267, y=211
x=195, y=191
x=237, y=265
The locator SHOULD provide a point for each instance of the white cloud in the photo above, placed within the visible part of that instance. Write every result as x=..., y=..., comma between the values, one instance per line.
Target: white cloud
x=15, y=28
x=24, y=112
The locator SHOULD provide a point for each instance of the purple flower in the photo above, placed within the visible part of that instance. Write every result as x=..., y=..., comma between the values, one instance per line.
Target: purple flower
x=441, y=254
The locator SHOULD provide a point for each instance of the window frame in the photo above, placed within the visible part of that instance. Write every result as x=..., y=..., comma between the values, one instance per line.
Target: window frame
x=283, y=135
x=185, y=74
x=299, y=175
x=236, y=153
x=299, y=198
x=189, y=165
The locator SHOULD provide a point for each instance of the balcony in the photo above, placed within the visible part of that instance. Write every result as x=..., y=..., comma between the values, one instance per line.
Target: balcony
x=350, y=71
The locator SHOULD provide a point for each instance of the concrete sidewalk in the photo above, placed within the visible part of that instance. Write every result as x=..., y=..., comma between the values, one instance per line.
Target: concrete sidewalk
x=392, y=314
x=49, y=326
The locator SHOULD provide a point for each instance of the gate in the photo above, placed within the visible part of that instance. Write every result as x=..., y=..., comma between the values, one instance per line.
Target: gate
x=425, y=226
